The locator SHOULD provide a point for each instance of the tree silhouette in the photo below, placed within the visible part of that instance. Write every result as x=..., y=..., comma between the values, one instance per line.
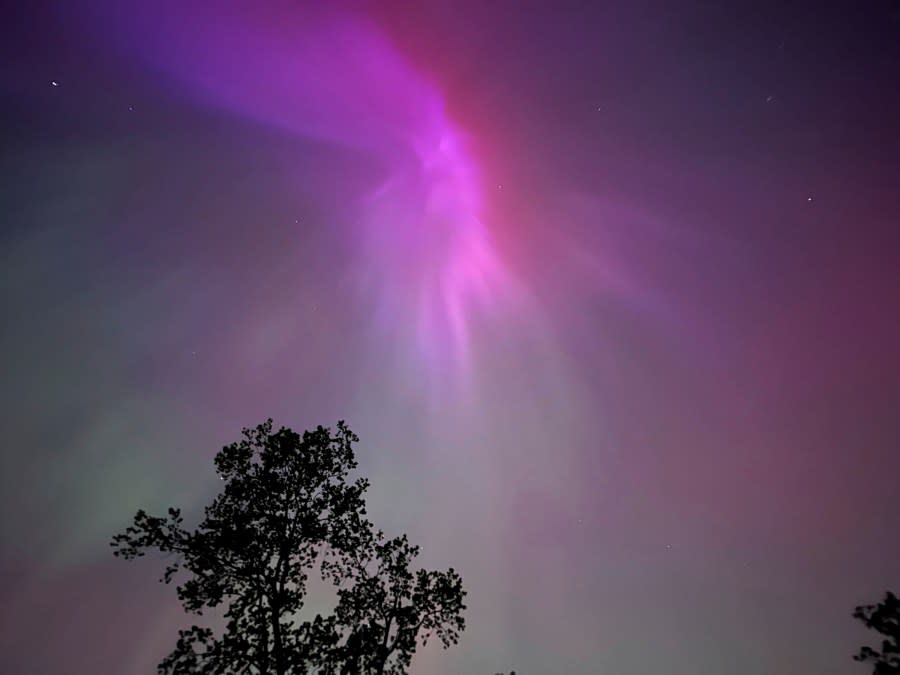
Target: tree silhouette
x=884, y=618
x=287, y=508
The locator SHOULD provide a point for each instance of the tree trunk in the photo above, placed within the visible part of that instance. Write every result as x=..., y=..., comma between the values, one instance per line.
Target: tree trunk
x=278, y=645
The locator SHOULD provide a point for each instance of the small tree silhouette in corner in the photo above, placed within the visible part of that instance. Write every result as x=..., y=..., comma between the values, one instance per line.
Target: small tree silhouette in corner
x=287, y=508
x=884, y=618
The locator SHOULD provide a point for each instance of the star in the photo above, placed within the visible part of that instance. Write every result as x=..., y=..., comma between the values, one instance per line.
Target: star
x=809, y=199
x=54, y=83
x=131, y=108
x=669, y=546
x=770, y=98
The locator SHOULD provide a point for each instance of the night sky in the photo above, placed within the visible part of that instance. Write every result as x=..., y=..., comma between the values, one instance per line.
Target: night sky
x=610, y=292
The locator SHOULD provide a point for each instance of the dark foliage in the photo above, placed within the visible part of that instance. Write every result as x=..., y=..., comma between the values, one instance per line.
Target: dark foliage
x=288, y=508
x=885, y=619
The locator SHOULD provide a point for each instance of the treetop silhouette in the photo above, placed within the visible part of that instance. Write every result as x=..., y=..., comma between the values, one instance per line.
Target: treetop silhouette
x=288, y=508
x=885, y=619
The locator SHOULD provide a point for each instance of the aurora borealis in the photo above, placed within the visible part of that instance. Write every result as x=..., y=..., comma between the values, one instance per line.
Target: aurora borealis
x=608, y=291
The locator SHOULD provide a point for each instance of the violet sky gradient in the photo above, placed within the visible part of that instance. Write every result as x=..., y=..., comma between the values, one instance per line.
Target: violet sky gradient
x=610, y=291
